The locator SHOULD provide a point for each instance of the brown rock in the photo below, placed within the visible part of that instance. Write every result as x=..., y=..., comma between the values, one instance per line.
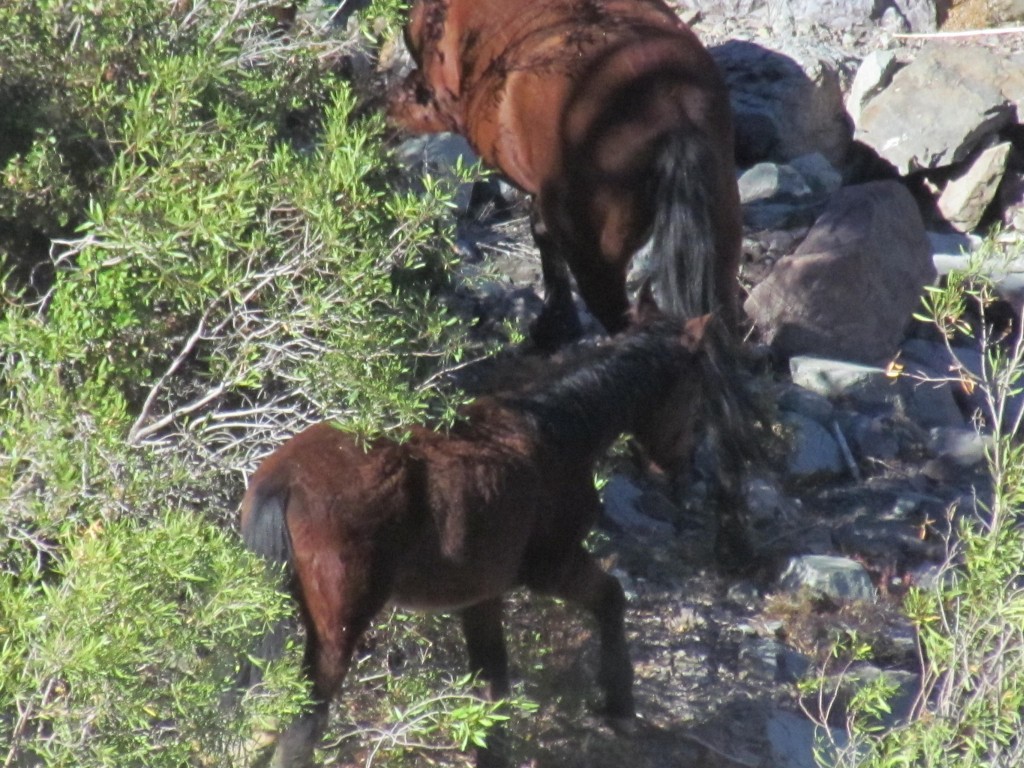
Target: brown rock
x=850, y=288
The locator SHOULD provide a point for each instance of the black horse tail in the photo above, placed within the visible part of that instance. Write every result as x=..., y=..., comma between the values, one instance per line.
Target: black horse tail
x=683, y=244
x=265, y=533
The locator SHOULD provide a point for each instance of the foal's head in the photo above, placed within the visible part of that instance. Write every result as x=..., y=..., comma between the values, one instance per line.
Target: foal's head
x=667, y=432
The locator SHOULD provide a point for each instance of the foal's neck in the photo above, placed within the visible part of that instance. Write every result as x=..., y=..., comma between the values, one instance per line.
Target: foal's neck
x=588, y=403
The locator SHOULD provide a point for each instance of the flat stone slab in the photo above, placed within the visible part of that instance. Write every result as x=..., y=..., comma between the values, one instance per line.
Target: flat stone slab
x=836, y=577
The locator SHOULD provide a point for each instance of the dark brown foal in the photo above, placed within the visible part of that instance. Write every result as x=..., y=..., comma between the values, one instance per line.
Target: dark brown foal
x=452, y=521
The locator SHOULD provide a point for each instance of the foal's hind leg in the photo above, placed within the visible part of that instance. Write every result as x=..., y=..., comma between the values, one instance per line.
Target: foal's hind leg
x=558, y=322
x=338, y=611
x=583, y=582
x=485, y=646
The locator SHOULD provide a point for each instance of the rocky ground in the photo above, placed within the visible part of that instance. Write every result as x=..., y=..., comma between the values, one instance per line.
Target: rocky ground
x=873, y=158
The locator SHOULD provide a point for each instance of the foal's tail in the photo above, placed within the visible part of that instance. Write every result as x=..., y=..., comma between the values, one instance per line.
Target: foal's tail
x=684, y=250
x=265, y=533
x=735, y=421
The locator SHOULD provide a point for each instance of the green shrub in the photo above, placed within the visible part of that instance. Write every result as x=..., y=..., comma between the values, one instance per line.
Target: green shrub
x=231, y=259
x=121, y=652
x=970, y=622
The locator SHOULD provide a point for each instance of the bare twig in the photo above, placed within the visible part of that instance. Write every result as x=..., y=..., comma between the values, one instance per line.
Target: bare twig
x=960, y=33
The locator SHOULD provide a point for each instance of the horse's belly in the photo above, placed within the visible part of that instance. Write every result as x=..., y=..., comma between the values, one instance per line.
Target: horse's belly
x=448, y=589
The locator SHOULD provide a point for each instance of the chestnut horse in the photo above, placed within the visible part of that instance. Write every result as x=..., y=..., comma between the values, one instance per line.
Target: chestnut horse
x=615, y=118
x=452, y=521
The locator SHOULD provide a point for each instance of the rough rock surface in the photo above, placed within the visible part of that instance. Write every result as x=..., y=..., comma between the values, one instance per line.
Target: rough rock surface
x=784, y=108
x=973, y=79
x=850, y=288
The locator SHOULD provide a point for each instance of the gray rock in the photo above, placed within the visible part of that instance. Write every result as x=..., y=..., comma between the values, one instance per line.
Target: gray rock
x=872, y=438
x=865, y=385
x=836, y=577
x=1002, y=11
x=950, y=249
x=767, y=506
x=814, y=452
x=964, y=447
x=771, y=214
x=772, y=660
x=849, y=290
x=967, y=196
x=917, y=15
x=1011, y=200
x=920, y=15
x=971, y=400
x=928, y=397
x=725, y=7
x=437, y=154
x=907, y=686
x=970, y=77
x=813, y=405
x=1011, y=81
x=873, y=75
x=766, y=181
x=623, y=502
x=917, y=393
x=818, y=173
x=793, y=740
x=784, y=108
x=783, y=196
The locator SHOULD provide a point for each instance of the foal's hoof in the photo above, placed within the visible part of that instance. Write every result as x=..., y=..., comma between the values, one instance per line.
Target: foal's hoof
x=622, y=720
x=622, y=726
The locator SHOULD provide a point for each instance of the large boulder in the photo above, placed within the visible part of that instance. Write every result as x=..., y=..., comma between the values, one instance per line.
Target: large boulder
x=851, y=286
x=941, y=106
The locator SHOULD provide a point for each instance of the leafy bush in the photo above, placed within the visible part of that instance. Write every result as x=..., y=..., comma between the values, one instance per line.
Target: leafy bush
x=121, y=652
x=970, y=622
x=225, y=257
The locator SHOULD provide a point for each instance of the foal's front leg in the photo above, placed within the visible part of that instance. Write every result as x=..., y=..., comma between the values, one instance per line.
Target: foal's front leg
x=584, y=583
x=488, y=657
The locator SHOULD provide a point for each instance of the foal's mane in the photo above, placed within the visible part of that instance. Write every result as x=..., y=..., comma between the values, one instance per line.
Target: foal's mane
x=594, y=391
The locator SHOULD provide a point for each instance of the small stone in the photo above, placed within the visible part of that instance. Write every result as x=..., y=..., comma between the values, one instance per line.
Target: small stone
x=966, y=197
x=814, y=452
x=964, y=447
x=836, y=577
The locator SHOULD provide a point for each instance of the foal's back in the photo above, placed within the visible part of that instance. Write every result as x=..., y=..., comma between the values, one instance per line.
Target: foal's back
x=447, y=518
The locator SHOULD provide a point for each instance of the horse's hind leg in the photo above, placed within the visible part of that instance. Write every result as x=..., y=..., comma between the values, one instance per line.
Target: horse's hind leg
x=558, y=322
x=583, y=582
x=488, y=657
x=603, y=289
